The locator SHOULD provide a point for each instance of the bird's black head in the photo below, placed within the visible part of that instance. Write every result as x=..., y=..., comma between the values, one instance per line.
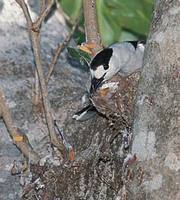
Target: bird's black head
x=102, y=58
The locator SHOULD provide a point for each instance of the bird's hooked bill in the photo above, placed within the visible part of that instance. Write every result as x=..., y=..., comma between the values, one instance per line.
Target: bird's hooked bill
x=95, y=84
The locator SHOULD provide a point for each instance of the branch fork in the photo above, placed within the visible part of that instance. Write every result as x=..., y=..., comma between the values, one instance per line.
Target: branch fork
x=34, y=31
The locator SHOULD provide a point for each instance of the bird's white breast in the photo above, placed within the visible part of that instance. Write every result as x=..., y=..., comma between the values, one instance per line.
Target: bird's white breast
x=99, y=72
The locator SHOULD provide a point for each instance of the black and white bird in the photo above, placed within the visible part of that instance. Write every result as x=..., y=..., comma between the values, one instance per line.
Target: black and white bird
x=123, y=58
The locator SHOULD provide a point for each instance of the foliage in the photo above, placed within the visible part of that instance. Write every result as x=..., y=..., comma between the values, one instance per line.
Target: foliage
x=83, y=57
x=124, y=19
x=118, y=19
x=71, y=7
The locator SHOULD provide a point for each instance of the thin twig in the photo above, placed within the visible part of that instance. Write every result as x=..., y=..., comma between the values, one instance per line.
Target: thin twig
x=36, y=90
x=21, y=141
x=35, y=40
x=24, y=7
x=60, y=49
x=42, y=16
x=42, y=6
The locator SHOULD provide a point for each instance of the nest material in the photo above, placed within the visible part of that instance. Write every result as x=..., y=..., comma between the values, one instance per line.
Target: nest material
x=117, y=103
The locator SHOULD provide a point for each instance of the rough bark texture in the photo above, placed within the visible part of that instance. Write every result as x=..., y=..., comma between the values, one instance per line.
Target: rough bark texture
x=91, y=25
x=157, y=123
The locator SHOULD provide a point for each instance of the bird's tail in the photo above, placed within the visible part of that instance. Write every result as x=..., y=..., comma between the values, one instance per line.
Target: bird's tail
x=85, y=114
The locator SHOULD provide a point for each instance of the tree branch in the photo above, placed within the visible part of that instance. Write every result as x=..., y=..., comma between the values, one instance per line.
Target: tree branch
x=27, y=15
x=44, y=13
x=20, y=140
x=42, y=6
x=60, y=49
x=91, y=25
x=35, y=40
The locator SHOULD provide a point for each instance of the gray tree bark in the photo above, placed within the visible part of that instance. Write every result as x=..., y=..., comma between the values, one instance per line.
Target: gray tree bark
x=157, y=123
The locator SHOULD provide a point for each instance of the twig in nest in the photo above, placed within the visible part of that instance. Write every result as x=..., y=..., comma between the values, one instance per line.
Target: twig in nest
x=60, y=48
x=106, y=182
x=34, y=31
x=20, y=140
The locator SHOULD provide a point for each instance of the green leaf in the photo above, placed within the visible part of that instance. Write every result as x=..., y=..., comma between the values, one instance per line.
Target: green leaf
x=119, y=17
x=79, y=55
x=73, y=53
x=72, y=8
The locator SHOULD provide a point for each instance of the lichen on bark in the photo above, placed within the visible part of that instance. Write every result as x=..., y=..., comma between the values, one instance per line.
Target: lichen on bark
x=156, y=125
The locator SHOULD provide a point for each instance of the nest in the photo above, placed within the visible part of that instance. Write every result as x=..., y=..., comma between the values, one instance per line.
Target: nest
x=115, y=99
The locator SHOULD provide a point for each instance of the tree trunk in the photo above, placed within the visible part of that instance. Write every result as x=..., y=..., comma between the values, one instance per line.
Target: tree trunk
x=156, y=126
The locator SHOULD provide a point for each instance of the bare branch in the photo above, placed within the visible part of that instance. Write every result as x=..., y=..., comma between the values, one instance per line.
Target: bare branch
x=91, y=25
x=21, y=141
x=42, y=6
x=35, y=40
x=60, y=49
x=45, y=12
x=47, y=107
x=27, y=15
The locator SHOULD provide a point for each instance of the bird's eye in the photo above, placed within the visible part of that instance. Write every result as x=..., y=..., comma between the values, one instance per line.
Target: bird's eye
x=105, y=67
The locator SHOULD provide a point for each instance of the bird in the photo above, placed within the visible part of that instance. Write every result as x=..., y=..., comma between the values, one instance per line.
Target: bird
x=123, y=59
